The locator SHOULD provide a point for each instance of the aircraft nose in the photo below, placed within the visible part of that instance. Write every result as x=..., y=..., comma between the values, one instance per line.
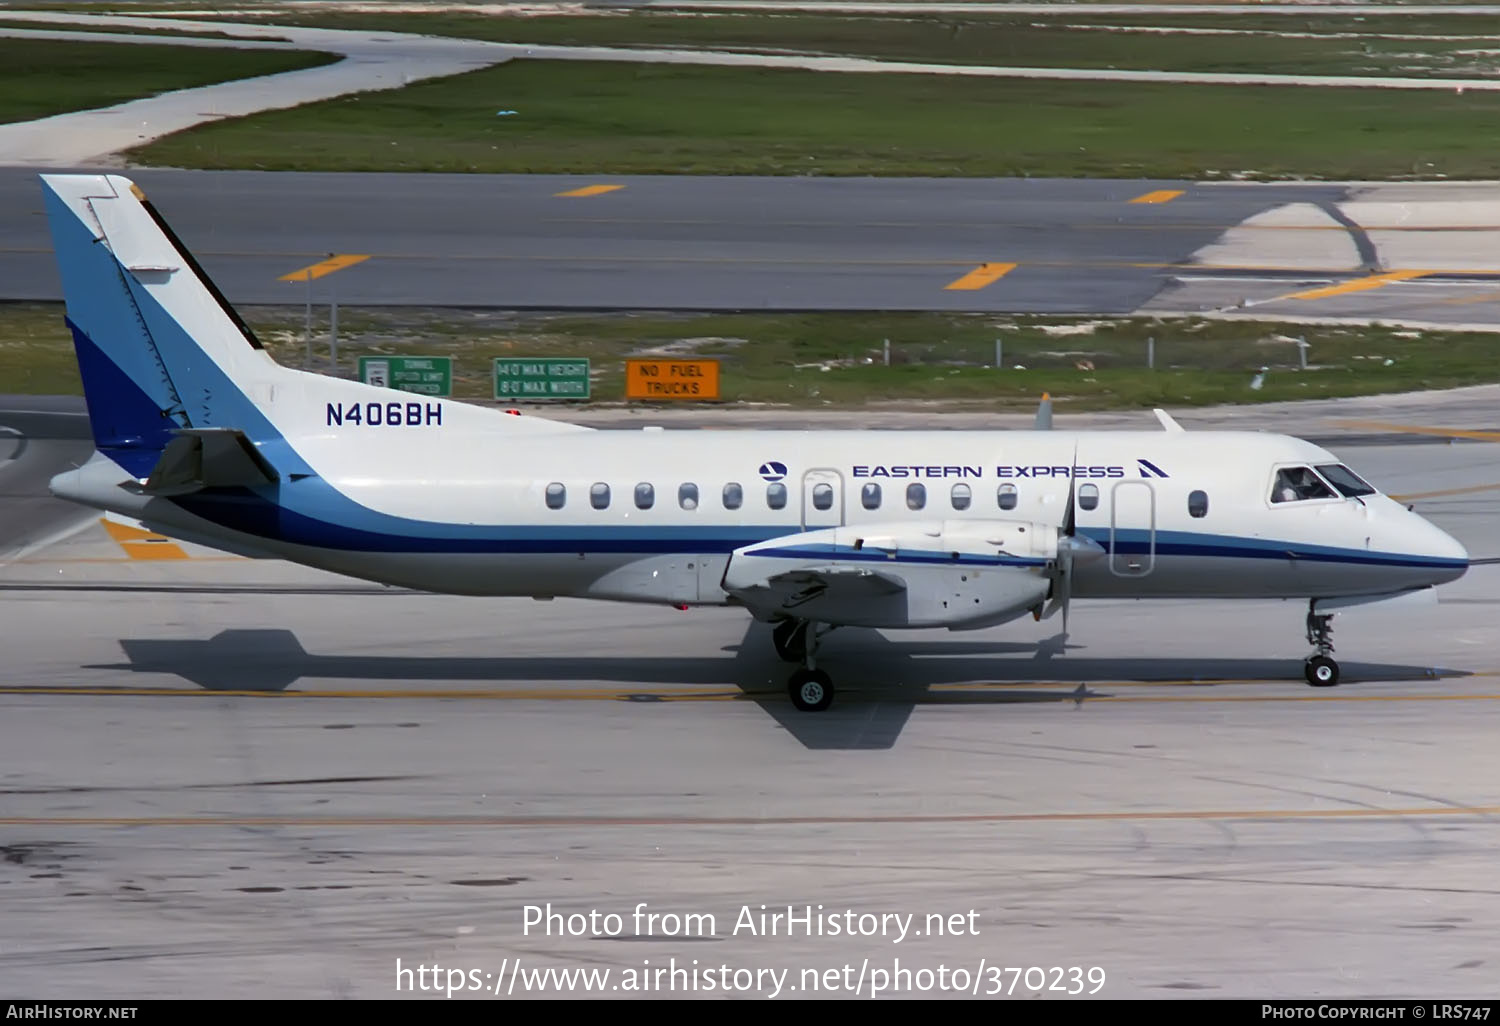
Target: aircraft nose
x=1449, y=557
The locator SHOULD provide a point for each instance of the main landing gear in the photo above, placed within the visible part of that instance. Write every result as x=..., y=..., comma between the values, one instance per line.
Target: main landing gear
x=1320, y=670
x=797, y=641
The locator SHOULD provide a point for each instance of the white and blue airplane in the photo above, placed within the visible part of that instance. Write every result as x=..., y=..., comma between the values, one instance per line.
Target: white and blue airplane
x=201, y=436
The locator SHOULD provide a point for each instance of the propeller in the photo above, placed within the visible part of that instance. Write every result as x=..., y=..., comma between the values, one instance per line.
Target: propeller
x=1071, y=547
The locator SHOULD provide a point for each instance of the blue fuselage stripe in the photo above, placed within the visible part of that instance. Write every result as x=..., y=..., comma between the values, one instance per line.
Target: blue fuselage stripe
x=252, y=513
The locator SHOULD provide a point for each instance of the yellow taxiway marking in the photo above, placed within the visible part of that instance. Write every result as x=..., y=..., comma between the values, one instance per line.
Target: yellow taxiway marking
x=1442, y=492
x=139, y=544
x=1159, y=196
x=1480, y=297
x=1414, y=429
x=1118, y=815
x=337, y=262
x=984, y=274
x=590, y=190
x=1374, y=281
x=96, y=560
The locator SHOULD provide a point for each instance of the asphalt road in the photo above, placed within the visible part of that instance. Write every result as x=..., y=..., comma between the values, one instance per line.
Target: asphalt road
x=666, y=242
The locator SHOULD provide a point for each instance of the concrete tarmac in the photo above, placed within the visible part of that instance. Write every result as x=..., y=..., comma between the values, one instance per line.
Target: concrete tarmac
x=236, y=778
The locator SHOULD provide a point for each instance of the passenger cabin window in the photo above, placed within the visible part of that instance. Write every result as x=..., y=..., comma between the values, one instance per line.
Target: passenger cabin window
x=645, y=495
x=1345, y=480
x=962, y=496
x=599, y=495
x=1006, y=497
x=687, y=496
x=776, y=496
x=916, y=496
x=1198, y=504
x=734, y=495
x=556, y=495
x=1088, y=496
x=1298, y=484
x=869, y=496
x=822, y=496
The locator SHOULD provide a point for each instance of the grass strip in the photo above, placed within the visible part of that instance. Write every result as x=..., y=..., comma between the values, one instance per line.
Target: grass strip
x=837, y=360
x=43, y=77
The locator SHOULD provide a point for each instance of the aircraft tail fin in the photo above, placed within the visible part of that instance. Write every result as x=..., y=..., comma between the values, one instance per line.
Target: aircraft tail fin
x=157, y=343
x=161, y=351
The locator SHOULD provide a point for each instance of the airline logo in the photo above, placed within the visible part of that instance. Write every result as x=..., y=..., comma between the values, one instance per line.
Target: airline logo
x=1143, y=468
x=773, y=471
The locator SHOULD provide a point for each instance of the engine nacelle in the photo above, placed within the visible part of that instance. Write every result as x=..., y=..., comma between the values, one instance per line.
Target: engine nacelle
x=960, y=574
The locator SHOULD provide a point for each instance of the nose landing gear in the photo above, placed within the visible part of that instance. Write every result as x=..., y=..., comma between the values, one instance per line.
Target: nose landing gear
x=1321, y=671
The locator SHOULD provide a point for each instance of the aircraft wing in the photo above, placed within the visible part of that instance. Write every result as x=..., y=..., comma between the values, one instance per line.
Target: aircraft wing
x=955, y=574
x=201, y=458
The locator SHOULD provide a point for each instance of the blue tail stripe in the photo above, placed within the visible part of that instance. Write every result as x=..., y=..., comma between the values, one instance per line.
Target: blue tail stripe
x=127, y=426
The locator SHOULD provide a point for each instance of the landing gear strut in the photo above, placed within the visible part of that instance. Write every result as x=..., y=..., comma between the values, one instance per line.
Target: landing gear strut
x=811, y=689
x=790, y=639
x=1320, y=670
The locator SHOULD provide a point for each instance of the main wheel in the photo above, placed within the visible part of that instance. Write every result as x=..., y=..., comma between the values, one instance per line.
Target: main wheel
x=1321, y=671
x=811, y=690
x=790, y=639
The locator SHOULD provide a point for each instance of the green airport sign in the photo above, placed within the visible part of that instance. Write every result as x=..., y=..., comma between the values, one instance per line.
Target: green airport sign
x=425, y=375
x=541, y=378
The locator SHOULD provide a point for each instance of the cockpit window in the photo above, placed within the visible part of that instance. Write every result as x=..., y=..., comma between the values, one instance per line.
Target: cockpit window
x=1297, y=484
x=1345, y=480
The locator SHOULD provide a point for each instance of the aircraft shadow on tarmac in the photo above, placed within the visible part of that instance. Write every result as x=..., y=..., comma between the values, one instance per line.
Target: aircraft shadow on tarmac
x=880, y=681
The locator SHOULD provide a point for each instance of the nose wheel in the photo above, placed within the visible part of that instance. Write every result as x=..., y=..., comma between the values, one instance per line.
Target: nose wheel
x=1319, y=668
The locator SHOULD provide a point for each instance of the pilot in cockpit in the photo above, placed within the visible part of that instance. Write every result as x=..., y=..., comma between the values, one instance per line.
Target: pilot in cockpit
x=1294, y=484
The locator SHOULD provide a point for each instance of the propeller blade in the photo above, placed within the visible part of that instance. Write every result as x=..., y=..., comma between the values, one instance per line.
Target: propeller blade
x=1069, y=526
x=1062, y=588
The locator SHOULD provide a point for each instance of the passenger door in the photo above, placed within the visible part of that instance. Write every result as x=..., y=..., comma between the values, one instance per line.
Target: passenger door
x=1132, y=529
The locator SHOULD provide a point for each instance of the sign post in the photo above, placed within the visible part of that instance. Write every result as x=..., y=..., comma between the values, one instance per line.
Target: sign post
x=425, y=375
x=671, y=379
x=541, y=378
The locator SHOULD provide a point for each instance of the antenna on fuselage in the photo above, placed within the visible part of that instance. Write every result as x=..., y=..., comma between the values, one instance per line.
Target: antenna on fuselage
x=1044, y=413
x=1166, y=420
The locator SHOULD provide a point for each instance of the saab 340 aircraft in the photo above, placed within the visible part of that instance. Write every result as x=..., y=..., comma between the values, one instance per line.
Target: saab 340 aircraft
x=201, y=436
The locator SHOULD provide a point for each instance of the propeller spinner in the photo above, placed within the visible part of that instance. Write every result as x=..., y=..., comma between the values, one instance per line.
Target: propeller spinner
x=1072, y=548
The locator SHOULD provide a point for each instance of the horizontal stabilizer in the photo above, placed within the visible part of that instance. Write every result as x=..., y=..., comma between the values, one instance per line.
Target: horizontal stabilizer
x=201, y=458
